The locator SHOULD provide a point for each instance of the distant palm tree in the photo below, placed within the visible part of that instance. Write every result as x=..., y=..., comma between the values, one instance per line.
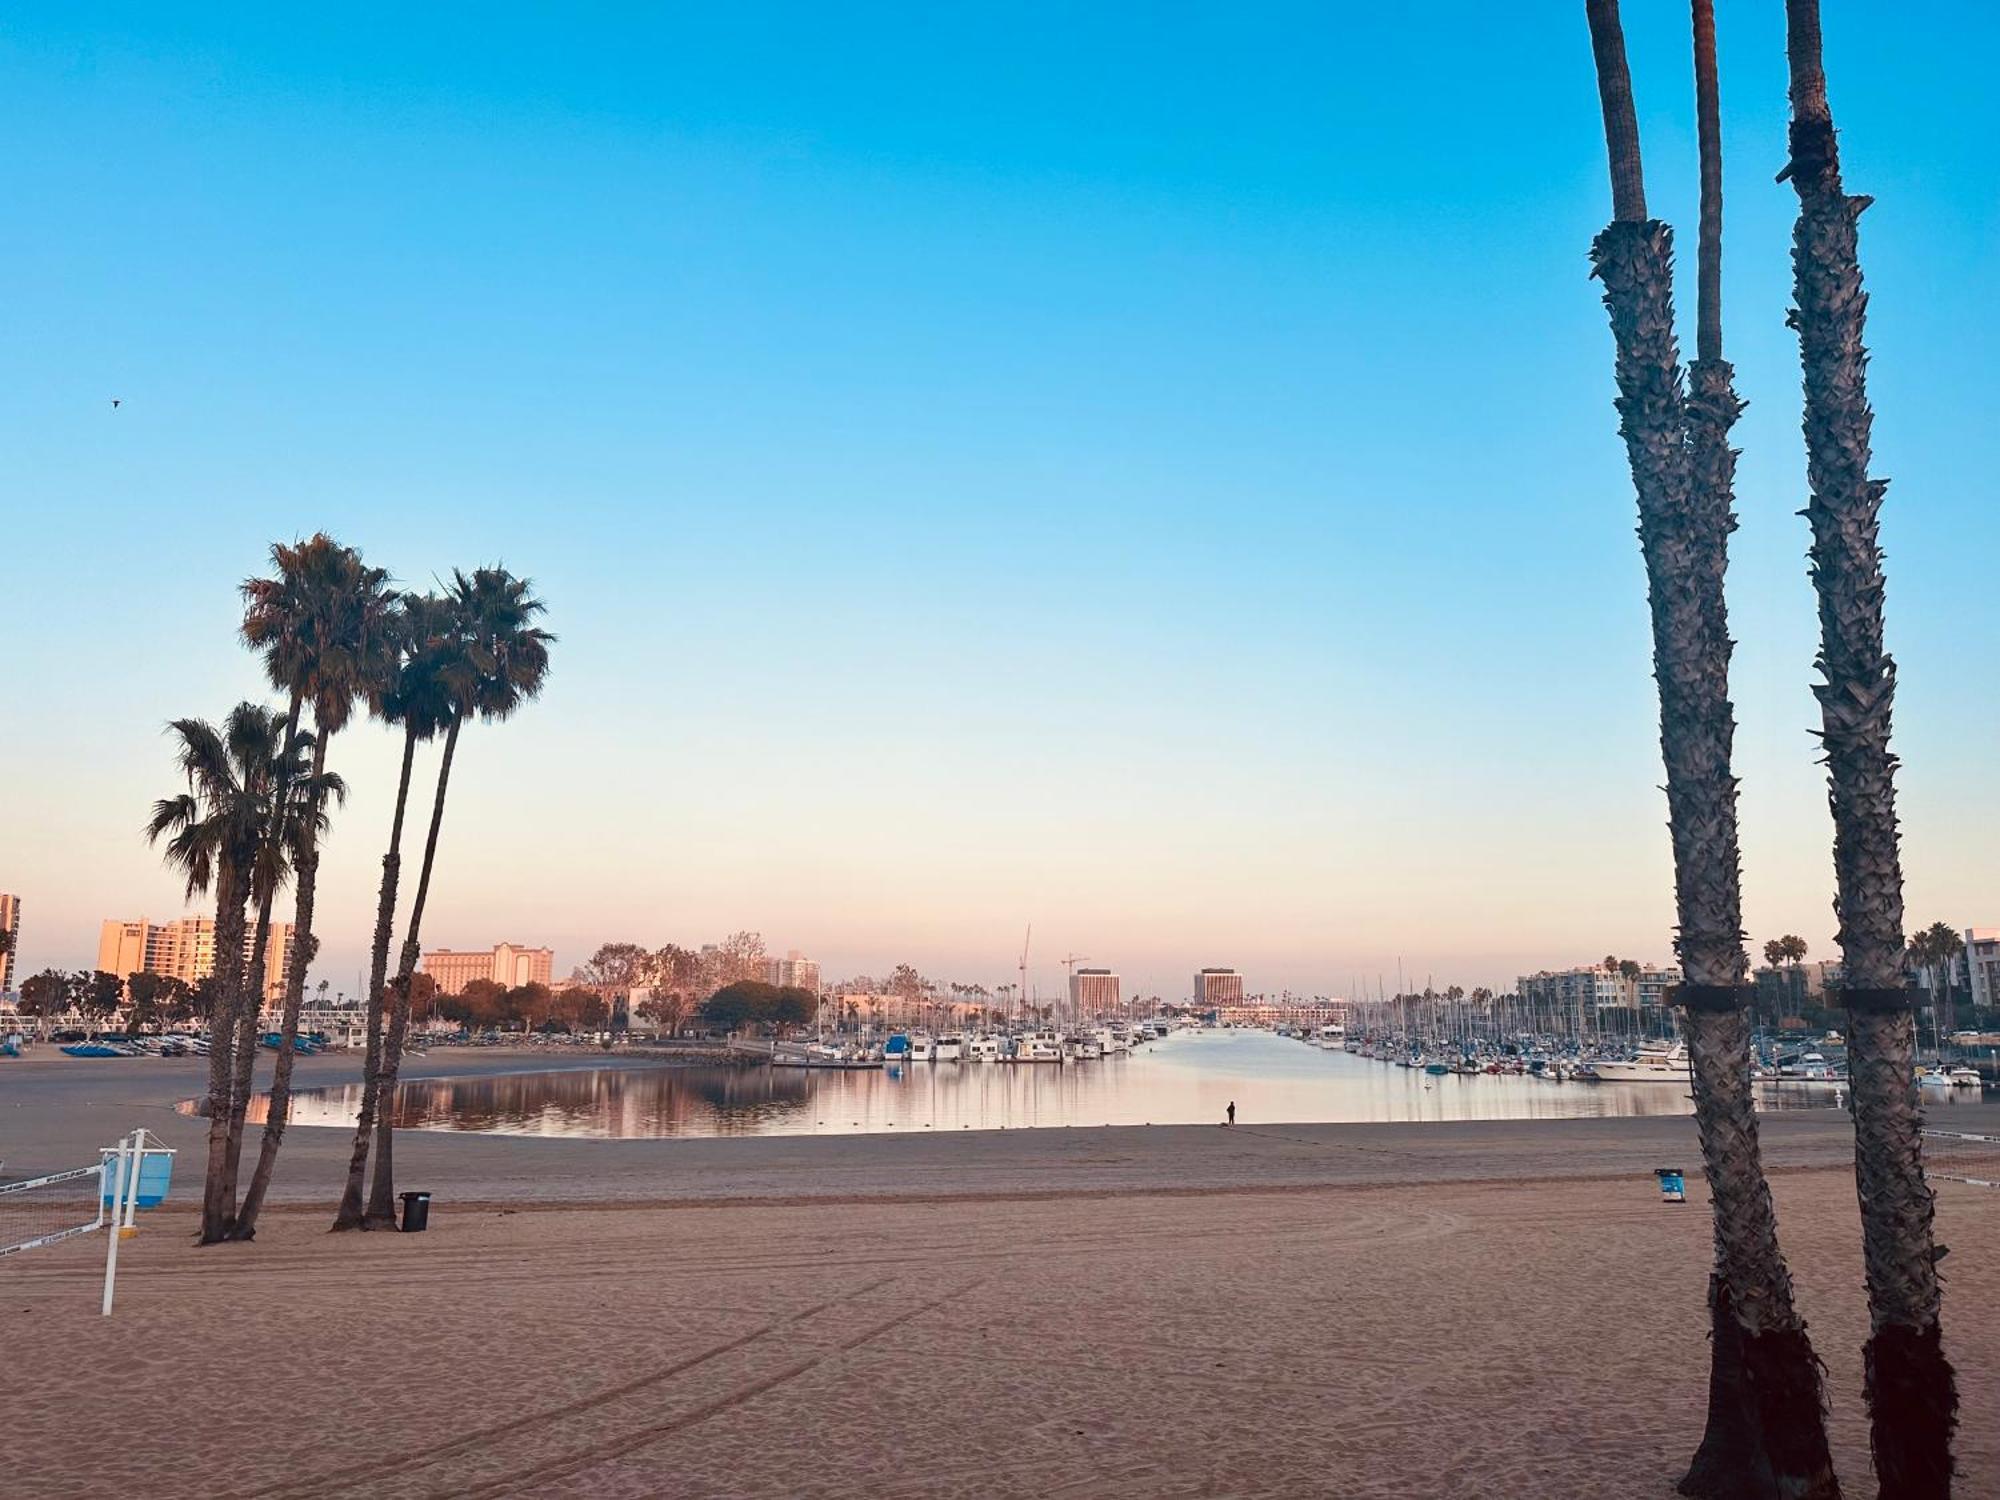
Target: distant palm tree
x=1766, y=1432
x=219, y=837
x=326, y=625
x=501, y=662
x=430, y=679
x=1911, y=1390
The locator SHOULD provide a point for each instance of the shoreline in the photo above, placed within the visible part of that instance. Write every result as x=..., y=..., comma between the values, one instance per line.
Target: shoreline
x=1128, y=1312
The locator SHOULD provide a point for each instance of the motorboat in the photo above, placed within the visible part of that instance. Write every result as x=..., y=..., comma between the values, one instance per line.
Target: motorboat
x=1651, y=1065
x=1966, y=1078
x=922, y=1049
x=1042, y=1046
x=948, y=1048
x=984, y=1049
x=1083, y=1047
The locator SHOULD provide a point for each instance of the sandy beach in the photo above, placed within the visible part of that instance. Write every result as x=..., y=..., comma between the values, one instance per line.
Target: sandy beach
x=1452, y=1310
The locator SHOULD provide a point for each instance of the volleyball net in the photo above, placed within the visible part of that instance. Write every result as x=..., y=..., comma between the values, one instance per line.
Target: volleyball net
x=54, y=1207
x=1954, y=1156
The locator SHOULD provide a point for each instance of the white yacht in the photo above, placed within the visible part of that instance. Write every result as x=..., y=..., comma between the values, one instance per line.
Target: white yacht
x=1042, y=1046
x=1083, y=1047
x=922, y=1049
x=948, y=1048
x=1966, y=1078
x=1333, y=1037
x=1112, y=1040
x=1652, y=1065
x=984, y=1049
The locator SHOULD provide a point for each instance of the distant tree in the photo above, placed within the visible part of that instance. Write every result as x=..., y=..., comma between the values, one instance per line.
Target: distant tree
x=737, y=1005
x=478, y=1004
x=792, y=1005
x=1935, y=951
x=145, y=990
x=615, y=970
x=98, y=994
x=48, y=993
x=1774, y=952
x=578, y=1009
x=525, y=1005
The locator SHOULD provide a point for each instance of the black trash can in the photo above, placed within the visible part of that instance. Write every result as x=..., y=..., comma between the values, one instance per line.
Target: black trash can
x=416, y=1212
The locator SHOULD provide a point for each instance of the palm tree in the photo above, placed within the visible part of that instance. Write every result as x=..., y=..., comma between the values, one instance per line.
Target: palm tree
x=1912, y=1395
x=1935, y=950
x=326, y=625
x=502, y=661
x=1766, y=1432
x=218, y=834
x=428, y=681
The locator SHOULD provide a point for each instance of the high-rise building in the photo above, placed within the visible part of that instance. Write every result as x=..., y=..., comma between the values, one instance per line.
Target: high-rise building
x=794, y=970
x=185, y=950
x=1982, y=964
x=506, y=964
x=1092, y=992
x=1218, y=987
x=10, y=924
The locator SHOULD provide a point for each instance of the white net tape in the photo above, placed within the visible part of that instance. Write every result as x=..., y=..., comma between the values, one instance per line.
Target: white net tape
x=43, y=1210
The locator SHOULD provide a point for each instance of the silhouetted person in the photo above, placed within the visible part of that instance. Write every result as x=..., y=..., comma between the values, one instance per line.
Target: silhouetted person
x=1232, y=1113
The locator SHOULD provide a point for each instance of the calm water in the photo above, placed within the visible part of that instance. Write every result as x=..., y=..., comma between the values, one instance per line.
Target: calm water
x=1187, y=1079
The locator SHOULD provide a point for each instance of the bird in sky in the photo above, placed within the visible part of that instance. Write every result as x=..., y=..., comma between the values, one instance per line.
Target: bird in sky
x=116, y=403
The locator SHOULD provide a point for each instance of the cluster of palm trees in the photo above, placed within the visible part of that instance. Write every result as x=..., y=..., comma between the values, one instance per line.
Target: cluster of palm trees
x=1766, y=1431
x=258, y=800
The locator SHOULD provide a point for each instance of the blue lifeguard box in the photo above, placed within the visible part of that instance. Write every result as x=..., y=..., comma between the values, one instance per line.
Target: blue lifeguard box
x=156, y=1175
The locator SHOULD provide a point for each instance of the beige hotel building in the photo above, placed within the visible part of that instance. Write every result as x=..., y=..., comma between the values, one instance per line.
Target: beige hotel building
x=506, y=964
x=185, y=950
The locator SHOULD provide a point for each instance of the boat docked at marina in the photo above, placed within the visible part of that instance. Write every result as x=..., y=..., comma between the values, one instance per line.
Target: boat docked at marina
x=1042, y=1046
x=1651, y=1065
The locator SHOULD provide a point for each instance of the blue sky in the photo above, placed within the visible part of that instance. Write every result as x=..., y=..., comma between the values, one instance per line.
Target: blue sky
x=985, y=464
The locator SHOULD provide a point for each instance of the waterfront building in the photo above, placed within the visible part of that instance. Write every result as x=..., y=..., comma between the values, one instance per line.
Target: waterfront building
x=10, y=923
x=185, y=950
x=1286, y=1010
x=1982, y=964
x=1216, y=987
x=794, y=970
x=1093, y=992
x=506, y=964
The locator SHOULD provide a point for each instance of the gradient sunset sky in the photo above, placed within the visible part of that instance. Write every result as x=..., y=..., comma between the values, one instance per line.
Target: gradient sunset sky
x=1148, y=471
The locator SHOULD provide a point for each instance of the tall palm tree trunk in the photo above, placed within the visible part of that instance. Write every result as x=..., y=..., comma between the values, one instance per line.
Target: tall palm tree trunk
x=304, y=945
x=253, y=987
x=1912, y=1396
x=349, y=1215
x=1766, y=1433
x=382, y=1189
x=229, y=922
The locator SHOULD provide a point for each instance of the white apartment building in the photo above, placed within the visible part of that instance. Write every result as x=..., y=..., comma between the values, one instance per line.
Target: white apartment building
x=1982, y=964
x=10, y=923
x=794, y=970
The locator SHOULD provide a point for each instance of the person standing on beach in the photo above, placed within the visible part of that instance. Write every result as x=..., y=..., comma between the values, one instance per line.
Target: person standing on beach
x=1232, y=1113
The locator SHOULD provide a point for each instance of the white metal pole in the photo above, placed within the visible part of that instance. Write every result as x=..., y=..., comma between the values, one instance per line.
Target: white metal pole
x=117, y=1187
x=131, y=1215
x=130, y=1218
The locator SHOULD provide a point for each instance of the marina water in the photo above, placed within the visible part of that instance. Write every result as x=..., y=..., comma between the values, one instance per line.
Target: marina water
x=1188, y=1078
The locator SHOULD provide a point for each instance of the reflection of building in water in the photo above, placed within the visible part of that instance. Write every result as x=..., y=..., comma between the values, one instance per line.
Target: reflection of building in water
x=506, y=964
